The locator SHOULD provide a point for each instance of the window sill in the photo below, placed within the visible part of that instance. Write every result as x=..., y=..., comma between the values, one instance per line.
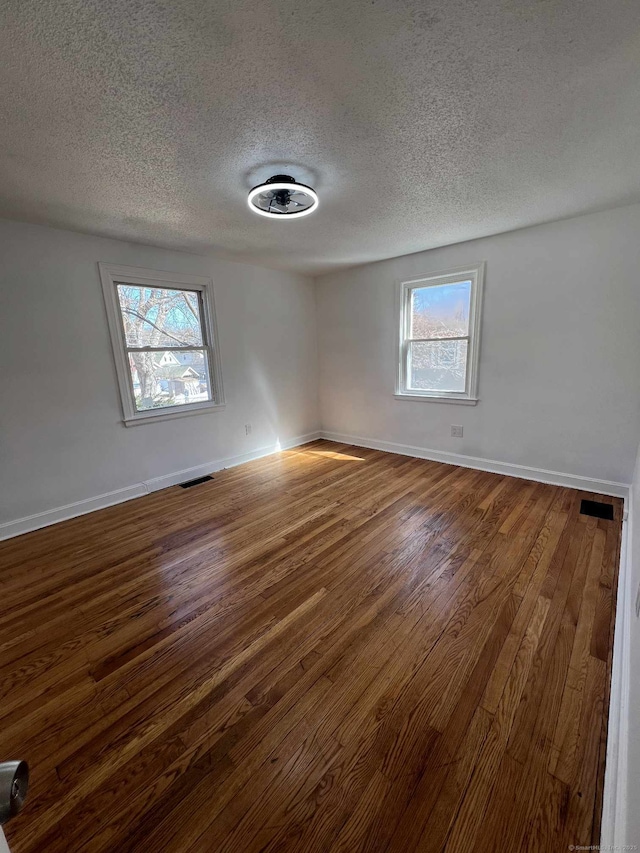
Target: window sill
x=428, y=398
x=160, y=415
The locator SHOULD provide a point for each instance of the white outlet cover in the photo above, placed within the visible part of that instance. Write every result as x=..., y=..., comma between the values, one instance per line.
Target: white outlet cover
x=457, y=431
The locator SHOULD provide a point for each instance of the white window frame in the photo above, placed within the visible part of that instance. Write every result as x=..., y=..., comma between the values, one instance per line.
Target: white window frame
x=113, y=274
x=473, y=273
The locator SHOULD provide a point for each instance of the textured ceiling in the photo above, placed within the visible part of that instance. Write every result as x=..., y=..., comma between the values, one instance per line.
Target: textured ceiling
x=419, y=123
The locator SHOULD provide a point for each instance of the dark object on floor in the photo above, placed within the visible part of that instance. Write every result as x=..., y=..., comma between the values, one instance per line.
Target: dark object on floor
x=597, y=509
x=199, y=480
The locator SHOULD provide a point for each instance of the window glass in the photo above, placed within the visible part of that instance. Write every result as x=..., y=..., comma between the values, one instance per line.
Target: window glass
x=159, y=317
x=438, y=365
x=440, y=311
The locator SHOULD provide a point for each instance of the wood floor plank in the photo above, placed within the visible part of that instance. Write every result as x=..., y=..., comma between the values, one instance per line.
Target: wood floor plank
x=467, y=824
x=332, y=648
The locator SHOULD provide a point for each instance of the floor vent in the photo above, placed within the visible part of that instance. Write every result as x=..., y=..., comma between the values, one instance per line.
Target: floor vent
x=195, y=482
x=597, y=509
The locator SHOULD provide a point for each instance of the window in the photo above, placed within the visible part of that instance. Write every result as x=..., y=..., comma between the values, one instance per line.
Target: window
x=164, y=341
x=439, y=341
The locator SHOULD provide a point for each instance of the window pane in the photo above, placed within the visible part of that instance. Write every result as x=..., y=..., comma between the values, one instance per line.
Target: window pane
x=441, y=311
x=437, y=366
x=156, y=317
x=162, y=379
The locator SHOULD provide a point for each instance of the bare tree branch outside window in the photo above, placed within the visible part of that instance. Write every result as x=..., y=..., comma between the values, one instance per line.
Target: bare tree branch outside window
x=165, y=343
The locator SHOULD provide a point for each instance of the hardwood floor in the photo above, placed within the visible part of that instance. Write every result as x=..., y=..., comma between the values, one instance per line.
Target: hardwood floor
x=328, y=649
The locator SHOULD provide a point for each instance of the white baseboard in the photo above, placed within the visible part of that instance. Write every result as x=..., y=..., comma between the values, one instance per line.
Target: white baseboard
x=524, y=472
x=136, y=490
x=614, y=804
x=62, y=513
x=157, y=483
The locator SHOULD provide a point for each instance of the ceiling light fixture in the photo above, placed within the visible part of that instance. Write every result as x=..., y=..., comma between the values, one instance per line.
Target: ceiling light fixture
x=283, y=198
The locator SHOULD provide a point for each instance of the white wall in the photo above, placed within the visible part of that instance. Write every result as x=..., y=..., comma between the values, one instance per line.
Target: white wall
x=558, y=364
x=559, y=358
x=61, y=434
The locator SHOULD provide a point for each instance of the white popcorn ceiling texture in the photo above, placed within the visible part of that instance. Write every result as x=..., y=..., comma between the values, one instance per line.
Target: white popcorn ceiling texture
x=419, y=123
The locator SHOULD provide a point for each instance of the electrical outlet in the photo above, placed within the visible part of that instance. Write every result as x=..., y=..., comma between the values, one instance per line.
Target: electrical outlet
x=456, y=431
x=247, y=429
